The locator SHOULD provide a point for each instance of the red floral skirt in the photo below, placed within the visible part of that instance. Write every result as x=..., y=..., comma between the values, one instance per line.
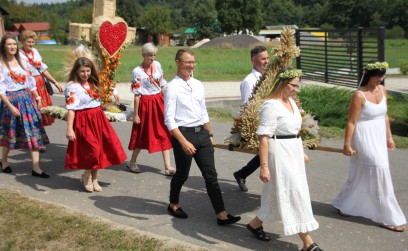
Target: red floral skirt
x=46, y=119
x=96, y=145
x=151, y=134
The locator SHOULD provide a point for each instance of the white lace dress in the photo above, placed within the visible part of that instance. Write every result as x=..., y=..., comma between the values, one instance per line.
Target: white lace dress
x=368, y=191
x=286, y=196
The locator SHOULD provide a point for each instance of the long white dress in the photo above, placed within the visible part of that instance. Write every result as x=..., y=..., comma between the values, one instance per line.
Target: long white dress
x=368, y=191
x=286, y=196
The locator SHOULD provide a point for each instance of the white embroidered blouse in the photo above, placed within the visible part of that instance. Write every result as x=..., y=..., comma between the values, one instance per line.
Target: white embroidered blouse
x=143, y=84
x=16, y=79
x=79, y=98
x=34, y=60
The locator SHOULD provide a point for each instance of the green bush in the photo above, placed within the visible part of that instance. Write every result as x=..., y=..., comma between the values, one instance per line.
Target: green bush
x=403, y=67
x=395, y=32
x=328, y=105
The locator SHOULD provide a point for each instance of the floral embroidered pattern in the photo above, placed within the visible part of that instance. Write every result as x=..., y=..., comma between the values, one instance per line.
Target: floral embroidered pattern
x=135, y=84
x=69, y=99
x=18, y=78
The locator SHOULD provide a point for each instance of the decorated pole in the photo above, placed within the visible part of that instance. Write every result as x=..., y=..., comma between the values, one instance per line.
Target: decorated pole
x=109, y=37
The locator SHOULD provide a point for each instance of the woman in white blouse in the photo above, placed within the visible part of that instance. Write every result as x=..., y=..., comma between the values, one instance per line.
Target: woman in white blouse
x=93, y=144
x=149, y=131
x=39, y=70
x=285, y=193
x=20, y=119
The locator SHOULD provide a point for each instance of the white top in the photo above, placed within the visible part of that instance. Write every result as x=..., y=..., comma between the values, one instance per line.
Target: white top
x=16, y=80
x=274, y=119
x=143, y=85
x=77, y=97
x=184, y=103
x=34, y=60
x=248, y=85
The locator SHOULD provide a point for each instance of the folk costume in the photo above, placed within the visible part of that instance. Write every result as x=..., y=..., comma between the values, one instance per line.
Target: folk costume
x=151, y=134
x=25, y=131
x=96, y=145
x=37, y=67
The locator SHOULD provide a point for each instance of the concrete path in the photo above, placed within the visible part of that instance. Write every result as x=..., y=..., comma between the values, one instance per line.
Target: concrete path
x=139, y=201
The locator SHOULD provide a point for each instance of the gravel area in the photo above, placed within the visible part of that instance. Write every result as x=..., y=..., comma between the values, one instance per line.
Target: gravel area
x=236, y=41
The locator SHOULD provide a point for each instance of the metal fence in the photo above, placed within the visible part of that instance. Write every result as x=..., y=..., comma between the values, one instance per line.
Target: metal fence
x=338, y=56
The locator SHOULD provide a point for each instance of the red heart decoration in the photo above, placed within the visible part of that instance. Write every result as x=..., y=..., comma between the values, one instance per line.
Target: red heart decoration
x=112, y=37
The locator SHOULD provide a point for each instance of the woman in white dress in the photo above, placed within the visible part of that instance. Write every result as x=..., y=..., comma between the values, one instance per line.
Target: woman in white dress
x=367, y=137
x=285, y=193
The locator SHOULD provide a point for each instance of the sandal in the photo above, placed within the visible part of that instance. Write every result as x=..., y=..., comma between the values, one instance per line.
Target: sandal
x=170, y=172
x=313, y=247
x=87, y=181
x=259, y=233
x=393, y=228
x=133, y=167
x=96, y=186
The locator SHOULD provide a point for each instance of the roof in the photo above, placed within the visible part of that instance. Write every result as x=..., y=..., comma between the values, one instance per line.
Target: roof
x=43, y=26
x=3, y=12
x=190, y=31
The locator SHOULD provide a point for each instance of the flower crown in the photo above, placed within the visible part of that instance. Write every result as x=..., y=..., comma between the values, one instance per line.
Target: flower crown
x=376, y=66
x=291, y=74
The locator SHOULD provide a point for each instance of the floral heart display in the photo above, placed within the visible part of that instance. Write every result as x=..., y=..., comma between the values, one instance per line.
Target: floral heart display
x=112, y=36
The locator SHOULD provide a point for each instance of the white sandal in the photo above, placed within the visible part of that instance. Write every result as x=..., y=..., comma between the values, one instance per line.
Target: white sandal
x=133, y=167
x=170, y=172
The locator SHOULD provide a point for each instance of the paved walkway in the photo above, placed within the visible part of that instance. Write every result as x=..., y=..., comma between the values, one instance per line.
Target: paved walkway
x=139, y=201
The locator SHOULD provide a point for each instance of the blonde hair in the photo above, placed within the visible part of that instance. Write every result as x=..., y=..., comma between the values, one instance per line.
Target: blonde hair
x=26, y=34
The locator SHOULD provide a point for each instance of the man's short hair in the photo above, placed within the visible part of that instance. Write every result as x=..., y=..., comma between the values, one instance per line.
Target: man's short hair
x=180, y=53
x=258, y=49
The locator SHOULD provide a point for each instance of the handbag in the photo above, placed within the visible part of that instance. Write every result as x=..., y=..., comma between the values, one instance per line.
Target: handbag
x=48, y=86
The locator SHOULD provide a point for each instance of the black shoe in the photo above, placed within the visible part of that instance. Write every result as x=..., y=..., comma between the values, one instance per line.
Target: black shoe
x=179, y=213
x=241, y=182
x=41, y=175
x=6, y=169
x=231, y=220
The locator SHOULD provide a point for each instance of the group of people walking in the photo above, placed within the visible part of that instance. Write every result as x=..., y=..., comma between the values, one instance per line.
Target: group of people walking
x=174, y=116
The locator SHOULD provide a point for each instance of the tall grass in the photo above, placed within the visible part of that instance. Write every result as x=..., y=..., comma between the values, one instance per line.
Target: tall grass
x=330, y=106
x=396, y=51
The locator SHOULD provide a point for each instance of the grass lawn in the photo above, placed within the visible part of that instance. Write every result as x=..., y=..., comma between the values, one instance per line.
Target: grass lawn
x=222, y=64
x=27, y=224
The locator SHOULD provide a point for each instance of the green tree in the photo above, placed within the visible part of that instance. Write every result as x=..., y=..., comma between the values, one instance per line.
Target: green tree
x=130, y=11
x=205, y=19
x=281, y=12
x=339, y=13
x=229, y=15
x=156, y=20
x=251, y=16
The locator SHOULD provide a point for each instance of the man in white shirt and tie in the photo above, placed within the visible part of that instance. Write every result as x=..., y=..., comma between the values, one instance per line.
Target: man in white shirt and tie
x=185, y=115
x=260, y=60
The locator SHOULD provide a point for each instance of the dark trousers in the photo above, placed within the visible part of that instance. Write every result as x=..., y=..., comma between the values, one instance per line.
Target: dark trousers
x=204, y=157
x=252, y=165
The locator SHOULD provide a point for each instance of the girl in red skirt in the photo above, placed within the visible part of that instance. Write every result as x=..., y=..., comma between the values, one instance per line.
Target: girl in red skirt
x=93, y=144
x=149, y=131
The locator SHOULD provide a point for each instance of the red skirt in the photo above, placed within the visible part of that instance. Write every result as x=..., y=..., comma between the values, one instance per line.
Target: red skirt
x=151, y=134
x=96, y=145
x=46, y=119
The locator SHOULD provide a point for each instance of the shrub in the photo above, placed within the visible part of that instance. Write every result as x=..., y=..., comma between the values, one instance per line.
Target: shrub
x=404, y=67
x=328, y=105
x=395, y=32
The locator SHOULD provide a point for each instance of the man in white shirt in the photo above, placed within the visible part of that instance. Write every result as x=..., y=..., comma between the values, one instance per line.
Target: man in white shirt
x=186, y=117
x=260, y=60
